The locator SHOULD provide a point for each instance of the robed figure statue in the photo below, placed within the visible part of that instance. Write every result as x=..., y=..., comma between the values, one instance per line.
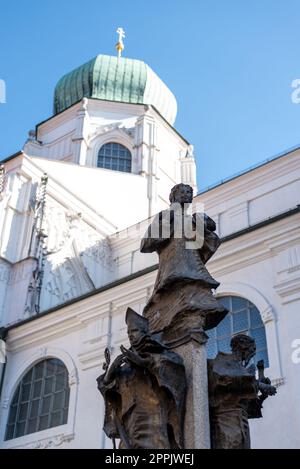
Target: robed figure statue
x=182, y=298
x=144, y=391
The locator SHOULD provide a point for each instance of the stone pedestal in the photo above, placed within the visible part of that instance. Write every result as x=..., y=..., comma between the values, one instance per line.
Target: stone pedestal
x=196, y=424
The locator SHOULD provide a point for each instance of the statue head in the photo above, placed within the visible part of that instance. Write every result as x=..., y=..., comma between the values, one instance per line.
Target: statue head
x=182, y=194
x=137, y=326
x=244, y=347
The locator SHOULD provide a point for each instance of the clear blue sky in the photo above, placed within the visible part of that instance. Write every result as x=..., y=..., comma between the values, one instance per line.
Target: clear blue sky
x=230, y=64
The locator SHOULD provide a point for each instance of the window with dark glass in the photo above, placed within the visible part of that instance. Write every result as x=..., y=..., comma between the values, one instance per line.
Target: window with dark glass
x=114, y=156
x=41, y=400
x=243, y=318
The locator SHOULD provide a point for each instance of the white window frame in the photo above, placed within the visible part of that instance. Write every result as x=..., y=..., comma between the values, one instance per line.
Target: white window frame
x=53, y=436
x=113, y=136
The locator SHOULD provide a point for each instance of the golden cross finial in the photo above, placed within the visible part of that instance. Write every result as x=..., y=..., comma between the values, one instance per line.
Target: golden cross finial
x=120, y=44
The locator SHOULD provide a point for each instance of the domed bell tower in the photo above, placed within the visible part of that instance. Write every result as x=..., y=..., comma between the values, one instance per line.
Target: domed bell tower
x=115, y=117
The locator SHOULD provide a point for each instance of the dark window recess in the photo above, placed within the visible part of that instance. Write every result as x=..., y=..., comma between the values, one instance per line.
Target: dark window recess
x=243, y=318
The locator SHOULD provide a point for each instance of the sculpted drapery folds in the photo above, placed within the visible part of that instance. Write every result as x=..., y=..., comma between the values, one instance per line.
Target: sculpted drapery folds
x=182, y=299
x=145, y=387
x=235, y=395
x=144, y=391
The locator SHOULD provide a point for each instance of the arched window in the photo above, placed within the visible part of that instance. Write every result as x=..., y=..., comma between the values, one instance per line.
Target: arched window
x=41, y=400
x=114, y=156
x=243, y=318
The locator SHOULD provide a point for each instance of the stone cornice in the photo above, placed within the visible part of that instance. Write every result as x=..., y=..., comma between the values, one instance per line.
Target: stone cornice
x=70, y=318
x=255, y=246
x=235, y=254
x=253, y=183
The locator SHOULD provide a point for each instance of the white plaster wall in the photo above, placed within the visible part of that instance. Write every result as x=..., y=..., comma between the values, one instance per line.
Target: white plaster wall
x=254, y=196
x=276, y=201
x=5, y=272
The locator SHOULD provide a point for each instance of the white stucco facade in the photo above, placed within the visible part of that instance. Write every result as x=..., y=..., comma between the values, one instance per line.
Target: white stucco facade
x=81, y=228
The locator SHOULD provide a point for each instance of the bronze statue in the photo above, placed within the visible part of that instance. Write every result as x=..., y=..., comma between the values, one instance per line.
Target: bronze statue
x=182, y=299
x=235, y=395
x=145, y=387
x=144, y=391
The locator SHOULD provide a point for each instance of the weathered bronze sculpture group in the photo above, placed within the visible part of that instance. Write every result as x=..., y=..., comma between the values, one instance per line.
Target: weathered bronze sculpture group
x=145, y=387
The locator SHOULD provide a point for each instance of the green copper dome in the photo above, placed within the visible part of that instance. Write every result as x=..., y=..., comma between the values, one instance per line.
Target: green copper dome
x=115, y=79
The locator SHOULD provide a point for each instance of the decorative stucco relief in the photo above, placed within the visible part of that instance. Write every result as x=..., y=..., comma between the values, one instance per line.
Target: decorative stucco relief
x=77, y=259
x=47, y=442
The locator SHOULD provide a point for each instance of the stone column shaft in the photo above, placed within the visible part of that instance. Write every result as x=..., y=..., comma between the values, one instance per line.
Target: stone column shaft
x=196, y=424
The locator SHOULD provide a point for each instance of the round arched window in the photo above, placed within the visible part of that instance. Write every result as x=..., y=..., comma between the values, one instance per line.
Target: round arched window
x=114, y=156
x=41, y=400
x=243, y=318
